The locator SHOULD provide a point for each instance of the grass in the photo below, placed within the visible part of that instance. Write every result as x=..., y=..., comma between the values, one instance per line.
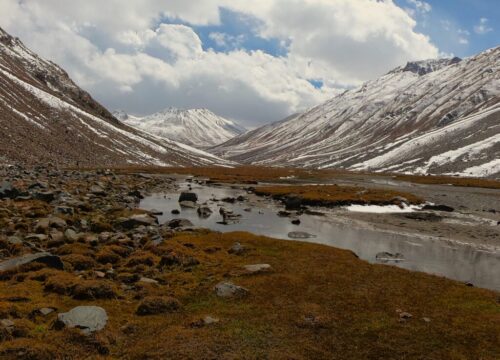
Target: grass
x=318, y=302
x=447, y=180
x=335, y=195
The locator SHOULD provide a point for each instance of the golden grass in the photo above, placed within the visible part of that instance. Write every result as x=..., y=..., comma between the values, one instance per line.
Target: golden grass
x=317, y=303
x=447, y=180
x=334, y=195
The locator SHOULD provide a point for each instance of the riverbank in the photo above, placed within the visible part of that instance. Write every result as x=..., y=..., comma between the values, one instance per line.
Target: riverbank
x=156, y=291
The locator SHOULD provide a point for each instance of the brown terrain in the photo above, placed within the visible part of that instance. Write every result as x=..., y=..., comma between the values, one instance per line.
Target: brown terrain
x=156, y=291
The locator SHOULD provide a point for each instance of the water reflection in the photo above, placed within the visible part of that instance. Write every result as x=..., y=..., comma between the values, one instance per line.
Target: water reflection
x=459, y=262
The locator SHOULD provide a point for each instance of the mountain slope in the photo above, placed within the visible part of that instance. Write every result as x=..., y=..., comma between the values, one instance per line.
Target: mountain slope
x=46, y=117
x=197, y=127
x=436, y=116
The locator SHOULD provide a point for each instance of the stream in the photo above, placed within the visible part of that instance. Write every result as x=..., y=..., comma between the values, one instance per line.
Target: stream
x=459, y=262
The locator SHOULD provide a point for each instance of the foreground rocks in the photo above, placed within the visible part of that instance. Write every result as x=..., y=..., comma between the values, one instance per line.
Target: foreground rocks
x=87, y=318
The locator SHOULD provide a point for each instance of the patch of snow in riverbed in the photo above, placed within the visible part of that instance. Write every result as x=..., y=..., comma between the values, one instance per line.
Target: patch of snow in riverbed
x=387, y=209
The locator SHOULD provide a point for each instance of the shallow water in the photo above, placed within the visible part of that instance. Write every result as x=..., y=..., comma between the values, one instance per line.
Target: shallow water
x=458, y=262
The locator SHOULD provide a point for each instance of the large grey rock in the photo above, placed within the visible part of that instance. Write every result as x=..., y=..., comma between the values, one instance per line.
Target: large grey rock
x=7, y=191
x=138, y=220
x=230, y=290
x=204, y=212
x=179, y=223
x=87, y=318
x=300, y=235
x=46, y=258
x=257, y=268
x=188, y=196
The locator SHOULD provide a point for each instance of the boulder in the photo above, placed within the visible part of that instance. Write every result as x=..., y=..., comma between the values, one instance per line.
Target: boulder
x=385, y=257
x=188, y=196
x=47, y=196
x=179, y=223
x=237, y=249
x=46, y=258
x=7, y=191
x=230, y=290
x=188, y=204
x=292, y=203
x=444, y=208
x=138, y=220
x=204, y=212
x=300, y=235
x=87, y=318
x=257, y=268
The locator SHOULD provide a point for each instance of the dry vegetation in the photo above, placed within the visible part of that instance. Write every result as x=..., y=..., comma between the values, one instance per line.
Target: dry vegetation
x=455, y=181
x=317, y=303
x=335, y=195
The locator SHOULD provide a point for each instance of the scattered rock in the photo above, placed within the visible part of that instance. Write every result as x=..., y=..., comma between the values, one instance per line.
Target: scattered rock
x=51, y=261
x=175, y=212
x=385, y=257
x=296, y=221
x=188, y=204
x=179, y=223
x=87, y=318
x=47, y=196
x=300, y=235
x=206, y=321
x=138, y=220
x=7, y=191
x=257, y=268
x=188, y=196
x=292, y=203
x=204, y=212
x=423, y=216
x=230, y=290
x=97, y=190
x=237, y=249
x=445, y=208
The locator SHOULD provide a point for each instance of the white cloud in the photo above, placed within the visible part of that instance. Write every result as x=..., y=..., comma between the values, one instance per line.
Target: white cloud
x=483, y=27
x=121, y=52
x=420, y=6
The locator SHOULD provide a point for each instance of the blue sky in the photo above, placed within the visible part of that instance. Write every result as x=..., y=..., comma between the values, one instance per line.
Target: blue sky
x=451, y=20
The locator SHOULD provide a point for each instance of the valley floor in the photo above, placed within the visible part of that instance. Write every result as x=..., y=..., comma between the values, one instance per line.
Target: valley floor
x=157, y=291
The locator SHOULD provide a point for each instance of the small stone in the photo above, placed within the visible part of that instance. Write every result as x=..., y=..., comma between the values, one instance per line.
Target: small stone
x=47, y=196
x=300, y=235
x=175, y=212
x=206, y=321
x=426, y=319
x=237, y=249
x=404, y=316
x=46, y=311
x=97, y=190
x=148, y=280
x=257, y=268
x=138, y=220
x=6, y=323
x=296, y=222
x=230, y=290
x=71, y=235
x=204, y=212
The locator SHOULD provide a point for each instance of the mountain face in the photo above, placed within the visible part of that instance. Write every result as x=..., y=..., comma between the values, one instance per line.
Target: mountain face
x=428, y=117
x=200, y=128
x=46, y=117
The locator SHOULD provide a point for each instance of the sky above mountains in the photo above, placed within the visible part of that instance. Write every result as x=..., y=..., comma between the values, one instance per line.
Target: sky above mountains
x=253, y=61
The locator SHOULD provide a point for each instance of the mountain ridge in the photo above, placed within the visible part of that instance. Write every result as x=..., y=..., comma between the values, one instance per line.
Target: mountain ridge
x=46, y=117
x=359, y=125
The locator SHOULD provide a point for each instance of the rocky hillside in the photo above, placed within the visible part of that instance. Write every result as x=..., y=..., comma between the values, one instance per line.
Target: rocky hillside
x=200, y=128
x=46, y=117
x=428, y=117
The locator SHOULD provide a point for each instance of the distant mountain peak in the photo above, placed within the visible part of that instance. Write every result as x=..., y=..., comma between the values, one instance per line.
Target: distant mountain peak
x=198, y=127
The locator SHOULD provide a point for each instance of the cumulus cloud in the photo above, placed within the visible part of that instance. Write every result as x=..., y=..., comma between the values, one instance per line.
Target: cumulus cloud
x=483, y=27
x=136, y=54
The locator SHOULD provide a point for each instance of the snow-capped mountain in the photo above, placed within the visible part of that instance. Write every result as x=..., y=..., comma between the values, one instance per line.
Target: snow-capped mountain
x=200, y=128
x=436, y=116
x=46, y=117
